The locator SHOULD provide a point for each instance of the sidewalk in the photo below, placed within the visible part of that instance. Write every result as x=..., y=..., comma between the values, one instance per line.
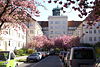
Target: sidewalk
x=21, y=57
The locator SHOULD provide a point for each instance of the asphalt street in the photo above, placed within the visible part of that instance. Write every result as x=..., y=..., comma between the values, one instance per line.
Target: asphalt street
x=50, y=61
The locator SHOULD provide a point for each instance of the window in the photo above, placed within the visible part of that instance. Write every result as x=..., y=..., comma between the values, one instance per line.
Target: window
x=83, y=54
x=63, y=22
x=94, y=38
x=63, y=32
x=18, y=34
x=9, y=32
x=94, y=31
x=18, y=44
x=57, y=22
x=51, y=27
x=51, y=32
x=99, y=31
x=12, y=56
x=51, y=36
x=90, y=38
x=51, y=22
x=90, y=31
x=31, y=31
x=99, y=38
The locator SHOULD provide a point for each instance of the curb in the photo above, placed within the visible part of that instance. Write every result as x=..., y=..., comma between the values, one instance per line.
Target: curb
x=21, y=57
x=19, y=63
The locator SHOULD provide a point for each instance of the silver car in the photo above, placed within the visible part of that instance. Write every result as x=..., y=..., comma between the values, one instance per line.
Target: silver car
x=34, y=57
x=81, y=57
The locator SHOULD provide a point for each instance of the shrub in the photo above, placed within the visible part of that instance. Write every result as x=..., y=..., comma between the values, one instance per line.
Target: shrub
x=21, y=60
x=20, y=52
x=97, y=50
x=30, y=51
x=97, y=44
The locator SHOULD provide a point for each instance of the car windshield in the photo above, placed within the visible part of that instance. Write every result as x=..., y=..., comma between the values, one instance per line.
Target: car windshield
x=83, y=54
x=4, y=56
x=35, y=54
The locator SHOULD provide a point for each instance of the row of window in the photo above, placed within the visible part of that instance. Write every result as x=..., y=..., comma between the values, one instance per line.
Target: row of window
x=57, y=22
x=94, y=38
x=93, y=31
x=57, y=32
x=58, y=27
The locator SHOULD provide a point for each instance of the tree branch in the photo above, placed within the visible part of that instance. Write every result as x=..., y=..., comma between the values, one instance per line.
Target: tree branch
x=2, y=22
x=13, y=10
x=5, y=8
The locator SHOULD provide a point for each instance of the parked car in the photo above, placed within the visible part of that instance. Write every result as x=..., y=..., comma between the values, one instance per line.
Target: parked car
x=66, y=58
x=82, y=57
x=7, y=59
x=43, y=54
x=34, y=57
x=62, y=54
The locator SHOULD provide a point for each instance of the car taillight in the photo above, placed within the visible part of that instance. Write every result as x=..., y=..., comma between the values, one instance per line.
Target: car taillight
x=70, y=62
x=94, y=65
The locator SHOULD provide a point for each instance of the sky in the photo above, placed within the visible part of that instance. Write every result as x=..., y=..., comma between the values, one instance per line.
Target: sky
x=45, y=13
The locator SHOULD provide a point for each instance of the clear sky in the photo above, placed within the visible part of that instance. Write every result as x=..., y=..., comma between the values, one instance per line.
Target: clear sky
x=44, y=13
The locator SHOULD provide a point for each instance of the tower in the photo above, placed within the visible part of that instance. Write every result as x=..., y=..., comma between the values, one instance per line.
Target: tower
x=56, y=11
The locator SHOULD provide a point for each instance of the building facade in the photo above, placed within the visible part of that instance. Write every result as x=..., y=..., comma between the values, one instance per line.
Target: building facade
x=89, y=34
x=44, y=25
x=72, y=26
x=57, y=24
x=12, y=36
x=34, y=29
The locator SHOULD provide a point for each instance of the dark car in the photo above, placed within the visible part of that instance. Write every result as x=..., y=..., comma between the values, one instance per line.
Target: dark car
x=81, y=57
x=62, y=54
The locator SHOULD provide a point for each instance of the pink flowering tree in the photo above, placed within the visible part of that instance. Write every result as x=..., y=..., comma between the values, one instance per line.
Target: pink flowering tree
x=17, y=10
x=67, y=41
x=41, y=42
x=62, y=42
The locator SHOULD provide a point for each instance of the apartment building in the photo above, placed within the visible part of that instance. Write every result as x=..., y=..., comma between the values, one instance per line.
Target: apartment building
x=34, y=29
x=57, y=24
x=72, y=26
x=12, y=36
x=89, y=33
x=44, y=26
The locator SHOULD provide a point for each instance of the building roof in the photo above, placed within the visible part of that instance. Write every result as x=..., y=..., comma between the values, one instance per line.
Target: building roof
x=74, y=23
x=43, y=23
x=70, y=23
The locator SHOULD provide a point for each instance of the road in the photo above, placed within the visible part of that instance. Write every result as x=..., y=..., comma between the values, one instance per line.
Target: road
x=50, y=61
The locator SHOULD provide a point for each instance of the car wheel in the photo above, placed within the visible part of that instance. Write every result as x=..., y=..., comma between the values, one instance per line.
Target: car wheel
x=27, y=60
x=16, y=65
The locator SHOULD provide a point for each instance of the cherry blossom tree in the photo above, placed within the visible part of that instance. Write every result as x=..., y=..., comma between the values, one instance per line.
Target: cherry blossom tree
x=17, y=10
x=62, y=42
x=41, y=42
x=66, y=41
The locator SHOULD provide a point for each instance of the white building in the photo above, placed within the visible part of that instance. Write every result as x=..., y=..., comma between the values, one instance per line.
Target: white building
x=34, y=29
x=89, y=34
x=72, y=26
x=57, y=25
x=44, y=25
x=12, y=36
